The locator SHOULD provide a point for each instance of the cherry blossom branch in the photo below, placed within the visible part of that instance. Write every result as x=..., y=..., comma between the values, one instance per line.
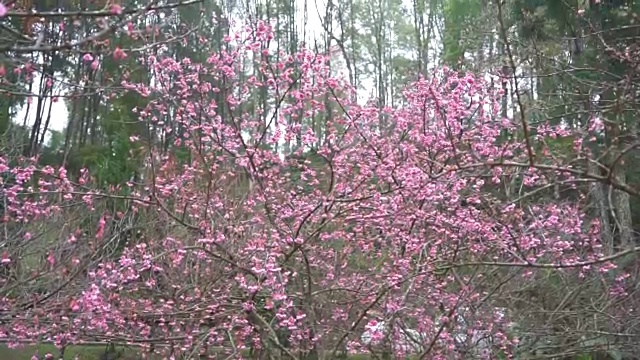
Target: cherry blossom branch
x=523, y=120
x=96, y=13
x=556, y=168
x=70, y=45
x=576, y=264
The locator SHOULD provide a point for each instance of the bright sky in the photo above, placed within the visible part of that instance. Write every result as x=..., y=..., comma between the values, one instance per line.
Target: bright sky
x=59, y=113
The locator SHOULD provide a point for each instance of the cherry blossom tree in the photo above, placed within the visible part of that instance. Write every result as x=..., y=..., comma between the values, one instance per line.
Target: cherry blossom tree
x=386, y=216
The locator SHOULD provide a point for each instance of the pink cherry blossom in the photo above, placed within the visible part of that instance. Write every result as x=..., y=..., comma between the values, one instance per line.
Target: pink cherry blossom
x=397, y=228
x=116, y=9
x=119, y=54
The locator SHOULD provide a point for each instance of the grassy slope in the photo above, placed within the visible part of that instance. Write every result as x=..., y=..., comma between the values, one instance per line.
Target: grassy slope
x=83, y=352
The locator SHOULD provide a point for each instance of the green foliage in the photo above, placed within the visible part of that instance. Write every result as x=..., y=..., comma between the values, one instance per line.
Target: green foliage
x=5, y=114
x=561, y=145
x=311, y=160
x=541, y=20
x=72, y=352
x=183, y=155
x=115, y=160
x=458, y=15
x=57, y=140
x=110, y=164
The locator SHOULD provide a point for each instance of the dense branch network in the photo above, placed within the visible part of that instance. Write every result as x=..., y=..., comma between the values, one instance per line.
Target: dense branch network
x=438, y=227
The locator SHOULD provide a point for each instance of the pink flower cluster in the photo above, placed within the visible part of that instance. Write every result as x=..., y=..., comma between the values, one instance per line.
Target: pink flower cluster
x=275, y=227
